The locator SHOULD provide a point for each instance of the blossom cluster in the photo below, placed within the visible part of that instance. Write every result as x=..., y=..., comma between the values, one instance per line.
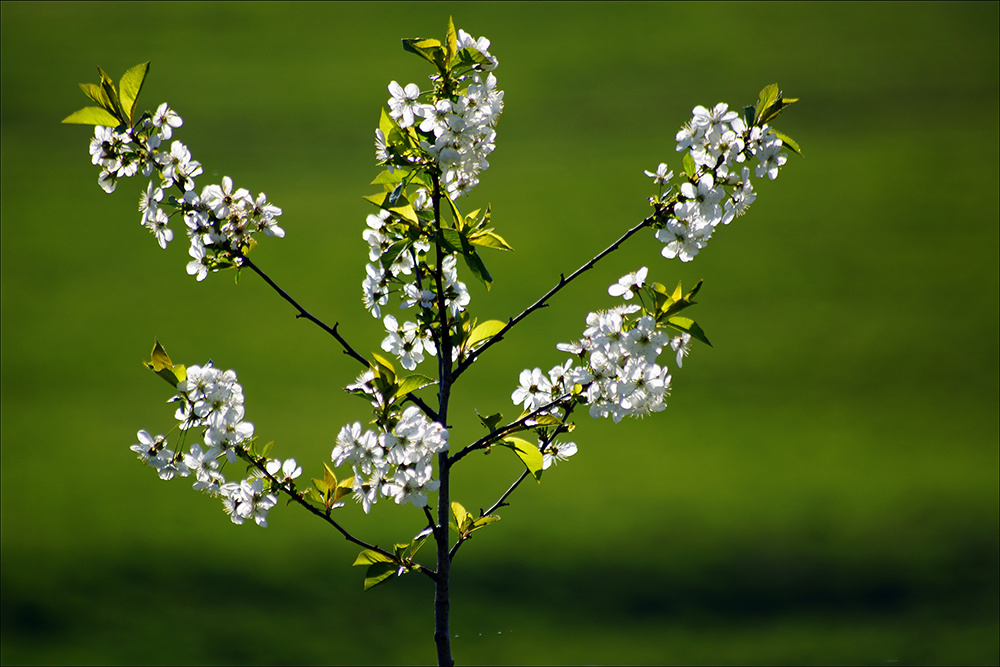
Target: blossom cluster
x=456, y=130
x=615, y=369
x=721, y=145
x=456, y=134
x=212, y=400
x=394, y=462
x=219, y=222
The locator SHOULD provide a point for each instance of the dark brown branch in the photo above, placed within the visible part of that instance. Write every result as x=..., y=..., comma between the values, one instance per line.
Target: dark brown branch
x=298, y=498
x=542, y=302
x=303, y=313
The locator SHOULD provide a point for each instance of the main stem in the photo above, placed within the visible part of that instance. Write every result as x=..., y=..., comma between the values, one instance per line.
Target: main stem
x=442, y=600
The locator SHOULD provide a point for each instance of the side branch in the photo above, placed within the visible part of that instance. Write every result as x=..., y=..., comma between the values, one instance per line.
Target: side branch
x=348, y=350
x=542, y=302
x=297, y=497
x=502, y=502
x=503, y=431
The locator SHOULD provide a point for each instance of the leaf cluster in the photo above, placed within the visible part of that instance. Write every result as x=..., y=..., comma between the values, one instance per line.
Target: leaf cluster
x=116, y=107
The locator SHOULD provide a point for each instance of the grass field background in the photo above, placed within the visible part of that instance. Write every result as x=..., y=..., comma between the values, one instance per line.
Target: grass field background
x=823, y=488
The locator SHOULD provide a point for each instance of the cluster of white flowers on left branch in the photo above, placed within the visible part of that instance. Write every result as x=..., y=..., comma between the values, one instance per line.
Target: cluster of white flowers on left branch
x=211, y=403
x=219, y=222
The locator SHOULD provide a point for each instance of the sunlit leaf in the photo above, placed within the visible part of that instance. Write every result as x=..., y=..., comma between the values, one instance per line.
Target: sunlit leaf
x=768, y=96
x=489, y=239
x=130, y=86
x=785, y=140
x=91, y=116
x=529, y=455
x=161, y=364
x=483, y=331
x=412, y=383
x=687, y=325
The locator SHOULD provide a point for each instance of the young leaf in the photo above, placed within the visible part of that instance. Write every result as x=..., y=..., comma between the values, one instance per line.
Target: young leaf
x=452, y=42
x=130, y=86
x=690, y=168
x=91, y=116
x=383, y=365
x=489, y=239
x=108, y=86
x=378, y=573
x=344, y=487
x=428, y=49
x=451, y=240
x=483, y=331
x=687, y=325
x=390, y=177
x=483, y=521
x=411, y=383
x=785, y=140
x=768, y=96
x=490, y=421
x=461, y=516
x=328, y=477
x=96, y=93
x=161, y=364
x=475, y=264
x=529, y=455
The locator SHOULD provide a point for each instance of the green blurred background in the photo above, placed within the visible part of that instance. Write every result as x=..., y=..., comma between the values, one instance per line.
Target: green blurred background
x=823, y=488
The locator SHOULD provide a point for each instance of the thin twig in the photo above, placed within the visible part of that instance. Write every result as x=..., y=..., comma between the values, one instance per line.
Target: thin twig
x=512, y=427
x=542, y=302
x=298, y=498
x=303, y=313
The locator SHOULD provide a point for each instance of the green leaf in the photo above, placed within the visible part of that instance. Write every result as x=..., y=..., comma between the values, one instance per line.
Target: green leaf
x=390, y=177
x=547, y=420
x=451, y=240
x=328, y=477
x=345, y=487
x=130, y=87
x=108, y=86
x=687, y=325
x=379, y=573
x=412, y=383
x=483, y=331
x=161, y=364
x=529, y=455
x=456, y=213
x=785, y=139
x=490, y=421
x=483, y=521
x=92, y=116
x=452, y=41
x=96, y=93
x=461, y=516
x=392, y=204
x=468, y=58
x=382, y=364
x=475, y=264
x=370, y=557
x=768, y=96
x=267, y=449
x=489, y=239
x=690, y=168
x=430, y=50
x=694, y=290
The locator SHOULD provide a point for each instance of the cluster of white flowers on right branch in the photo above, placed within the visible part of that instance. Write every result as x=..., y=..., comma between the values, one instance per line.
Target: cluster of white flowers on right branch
x=722, y=146
x=617, y=369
